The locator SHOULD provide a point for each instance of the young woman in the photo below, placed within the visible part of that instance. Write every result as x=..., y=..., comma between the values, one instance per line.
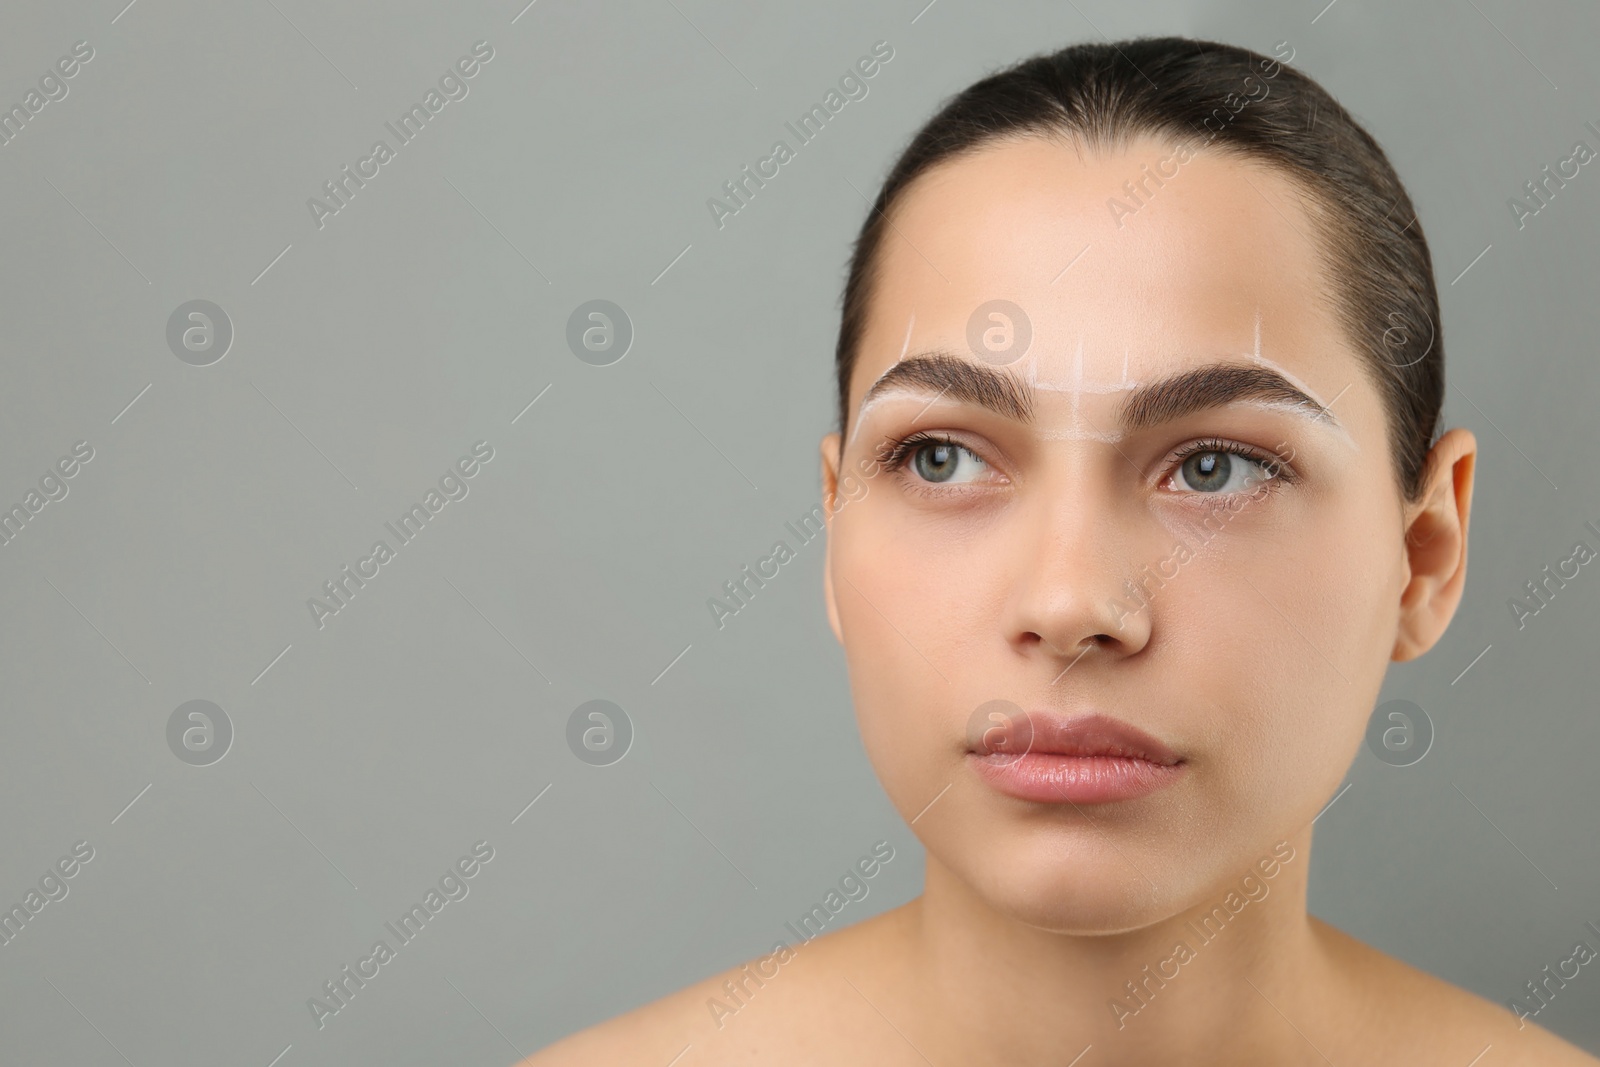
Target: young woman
x=1137, y=491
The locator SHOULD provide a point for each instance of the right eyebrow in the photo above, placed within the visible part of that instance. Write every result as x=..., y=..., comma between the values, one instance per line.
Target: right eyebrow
x=961, y=379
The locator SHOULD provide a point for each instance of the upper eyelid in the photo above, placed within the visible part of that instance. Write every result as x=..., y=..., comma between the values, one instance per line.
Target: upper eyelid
x=1233, y=448
x=906, y=444
x=916, y=438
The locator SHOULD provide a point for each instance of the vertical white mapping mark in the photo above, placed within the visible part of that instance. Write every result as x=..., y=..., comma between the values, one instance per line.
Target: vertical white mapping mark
x=1323, y=417
x=862, y=414
x=1077, y=386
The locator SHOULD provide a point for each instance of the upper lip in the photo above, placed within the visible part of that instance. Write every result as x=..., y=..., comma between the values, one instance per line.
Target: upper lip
x=1091, y=734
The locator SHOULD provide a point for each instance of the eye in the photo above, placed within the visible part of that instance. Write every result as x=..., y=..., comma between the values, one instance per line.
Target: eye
x=934, y=459
x=1220, y=468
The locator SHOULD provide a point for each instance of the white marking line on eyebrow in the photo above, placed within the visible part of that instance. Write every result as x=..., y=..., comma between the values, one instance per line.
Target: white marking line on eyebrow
x=1087, y=387
x=862, y=414
x=898, y=391
x=1078, y=386
x=1299, y=409
x=1281, y=405
x=1078, y=435
x=1303, y=410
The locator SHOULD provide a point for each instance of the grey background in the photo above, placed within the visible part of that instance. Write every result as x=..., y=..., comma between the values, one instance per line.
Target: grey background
x=427, y=314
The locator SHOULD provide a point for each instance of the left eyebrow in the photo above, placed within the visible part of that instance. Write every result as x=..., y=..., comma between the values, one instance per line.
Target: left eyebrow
x=1214, y=385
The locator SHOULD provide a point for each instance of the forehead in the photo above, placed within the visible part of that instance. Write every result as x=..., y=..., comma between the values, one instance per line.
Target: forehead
x=1128, y=256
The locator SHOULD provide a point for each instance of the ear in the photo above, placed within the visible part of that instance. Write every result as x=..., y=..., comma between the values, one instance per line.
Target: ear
x=1436, y=545
x=830, y=493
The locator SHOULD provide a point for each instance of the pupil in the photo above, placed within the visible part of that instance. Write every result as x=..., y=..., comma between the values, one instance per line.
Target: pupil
x=1208, y=470
x=941, y=466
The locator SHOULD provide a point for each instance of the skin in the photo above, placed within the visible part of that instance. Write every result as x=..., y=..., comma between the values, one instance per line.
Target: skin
x=1259, y=662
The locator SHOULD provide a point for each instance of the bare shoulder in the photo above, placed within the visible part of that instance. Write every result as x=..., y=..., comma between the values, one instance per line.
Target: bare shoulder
x=1428, y=1019
x=762, y=1011
x=643, y=1035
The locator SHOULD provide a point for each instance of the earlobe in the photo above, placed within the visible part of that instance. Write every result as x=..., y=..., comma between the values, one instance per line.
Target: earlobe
x=830, y=492
x=1435, y=546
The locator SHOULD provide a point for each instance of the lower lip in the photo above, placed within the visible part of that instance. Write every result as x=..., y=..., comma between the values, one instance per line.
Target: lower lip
x=1050, y=778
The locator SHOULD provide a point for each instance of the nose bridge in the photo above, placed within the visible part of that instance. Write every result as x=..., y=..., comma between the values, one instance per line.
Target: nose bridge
x=1077, y=548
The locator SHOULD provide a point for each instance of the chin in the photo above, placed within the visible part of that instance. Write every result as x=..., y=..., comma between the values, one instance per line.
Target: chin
x=1074, y=886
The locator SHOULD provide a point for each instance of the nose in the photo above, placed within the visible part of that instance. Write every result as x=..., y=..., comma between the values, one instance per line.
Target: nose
x=1073, y=596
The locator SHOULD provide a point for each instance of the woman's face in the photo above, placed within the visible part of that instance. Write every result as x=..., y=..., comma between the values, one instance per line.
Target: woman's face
x=1063, y=554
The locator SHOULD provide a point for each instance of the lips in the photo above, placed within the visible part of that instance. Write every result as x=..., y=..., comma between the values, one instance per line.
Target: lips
x=1051, y=733
x=1047, y=757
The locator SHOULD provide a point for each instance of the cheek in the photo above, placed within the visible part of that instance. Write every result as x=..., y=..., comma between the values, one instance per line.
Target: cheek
x=905, y=590
x=1331, y=581
x=1282, y=629
x=908, y=611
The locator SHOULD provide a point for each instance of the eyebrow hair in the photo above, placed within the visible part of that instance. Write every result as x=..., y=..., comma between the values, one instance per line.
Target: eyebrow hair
x=960, y=379
x=1214, y=385
x=1163, y=400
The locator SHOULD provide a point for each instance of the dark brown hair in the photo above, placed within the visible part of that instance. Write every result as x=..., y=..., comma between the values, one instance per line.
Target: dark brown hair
x=1103, y=95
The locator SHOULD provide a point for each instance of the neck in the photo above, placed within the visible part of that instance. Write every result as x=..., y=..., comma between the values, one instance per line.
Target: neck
x=1231, y=975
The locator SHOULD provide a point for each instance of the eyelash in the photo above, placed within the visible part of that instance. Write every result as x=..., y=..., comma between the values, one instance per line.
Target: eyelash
x=1282, y=474
x=894, y=455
